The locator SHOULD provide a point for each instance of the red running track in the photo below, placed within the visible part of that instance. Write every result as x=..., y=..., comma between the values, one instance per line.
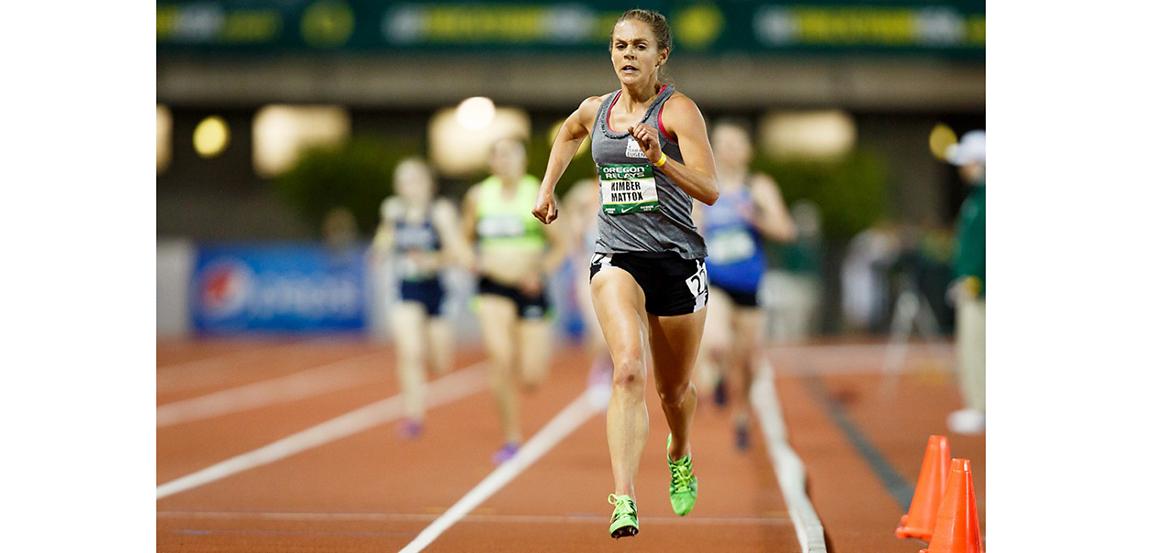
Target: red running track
x=372, y=491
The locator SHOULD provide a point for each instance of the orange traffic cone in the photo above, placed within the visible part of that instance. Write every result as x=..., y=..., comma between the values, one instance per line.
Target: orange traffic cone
x=920, y=520
x=957, y=528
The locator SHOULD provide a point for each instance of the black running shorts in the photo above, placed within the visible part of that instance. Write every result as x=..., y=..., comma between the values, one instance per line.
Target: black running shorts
x=672, y=285
x=739, y=299
x=527, y=307
x=428, y=292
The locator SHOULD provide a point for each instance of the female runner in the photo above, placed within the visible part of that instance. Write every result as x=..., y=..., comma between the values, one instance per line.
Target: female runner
x=648, y=281
x=515, y=256
x=422, y=233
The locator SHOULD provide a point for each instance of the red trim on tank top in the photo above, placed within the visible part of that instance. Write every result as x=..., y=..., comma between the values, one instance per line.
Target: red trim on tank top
x=611, y=108
x=670, y=136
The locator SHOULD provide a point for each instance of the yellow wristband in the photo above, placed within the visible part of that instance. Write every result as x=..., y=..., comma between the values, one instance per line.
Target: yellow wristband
x=662, y=160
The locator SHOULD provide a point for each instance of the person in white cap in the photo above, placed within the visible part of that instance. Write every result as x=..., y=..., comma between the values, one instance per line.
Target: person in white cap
x=968, y=288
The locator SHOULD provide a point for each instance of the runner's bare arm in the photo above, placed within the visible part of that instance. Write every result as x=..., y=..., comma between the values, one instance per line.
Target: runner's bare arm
x=578, y=204
x=681, y=117
x=575, y=129
x=773, y=220
x=383, y=238
x=469, y=214
x=383, y=241
x=455, y=247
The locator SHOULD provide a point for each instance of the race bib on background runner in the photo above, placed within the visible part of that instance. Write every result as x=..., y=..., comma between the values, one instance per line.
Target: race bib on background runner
x=628, y=188
x=730, y=246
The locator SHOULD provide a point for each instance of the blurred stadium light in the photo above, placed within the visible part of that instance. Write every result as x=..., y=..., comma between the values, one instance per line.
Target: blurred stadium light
x=942, y=137
x=211, y=136
x=280, y=132
x=475, y=113
x=162, y=138
x=459, y=139
x=809, y=134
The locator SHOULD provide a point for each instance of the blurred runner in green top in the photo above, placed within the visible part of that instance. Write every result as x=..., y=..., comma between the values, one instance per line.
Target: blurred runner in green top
x=515, y=256
x=968, y=288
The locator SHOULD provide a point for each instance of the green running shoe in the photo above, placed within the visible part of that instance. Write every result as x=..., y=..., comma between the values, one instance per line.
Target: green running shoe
x=684, y=485
x=624, y=521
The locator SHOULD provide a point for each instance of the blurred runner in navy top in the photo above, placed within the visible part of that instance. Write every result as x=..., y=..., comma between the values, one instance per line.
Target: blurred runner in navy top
x=421, y=234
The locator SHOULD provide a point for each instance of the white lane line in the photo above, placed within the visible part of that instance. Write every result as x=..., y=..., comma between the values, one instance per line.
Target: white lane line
x=299, y=385
x=480, y=518
x=444, y=390
x=568, y=420
x=787, y=466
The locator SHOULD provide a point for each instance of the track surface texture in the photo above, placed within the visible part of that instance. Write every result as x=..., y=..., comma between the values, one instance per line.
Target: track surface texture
x=370, y=490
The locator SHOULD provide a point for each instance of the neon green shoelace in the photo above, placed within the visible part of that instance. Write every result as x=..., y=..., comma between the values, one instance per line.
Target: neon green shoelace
x=680, y=476
x=623, y=506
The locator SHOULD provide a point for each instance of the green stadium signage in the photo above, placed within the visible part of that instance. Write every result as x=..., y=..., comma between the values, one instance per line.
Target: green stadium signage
x=832, y=27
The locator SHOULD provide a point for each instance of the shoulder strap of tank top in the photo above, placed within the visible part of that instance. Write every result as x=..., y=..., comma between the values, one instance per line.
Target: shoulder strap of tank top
x=665, y=93
x=657, y=109
x=604, y=110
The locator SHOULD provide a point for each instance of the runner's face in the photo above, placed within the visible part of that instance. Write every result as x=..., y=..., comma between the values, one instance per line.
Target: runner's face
x=731, y=146
x=412, y=183
x=635, y=53
x=508, y=159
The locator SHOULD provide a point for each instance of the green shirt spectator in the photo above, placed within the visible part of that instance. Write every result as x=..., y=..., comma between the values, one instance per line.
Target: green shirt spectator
x=969, y=156
x=969, y=252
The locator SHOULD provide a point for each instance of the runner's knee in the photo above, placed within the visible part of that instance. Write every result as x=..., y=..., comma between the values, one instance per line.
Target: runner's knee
x=717, y=350
x=628, y=371
x=530, y=380
x=673, y=395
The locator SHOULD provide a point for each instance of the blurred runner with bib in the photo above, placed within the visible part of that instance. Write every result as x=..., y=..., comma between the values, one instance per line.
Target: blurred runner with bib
x=750, y=210
x=515, y=256
x=422, y=235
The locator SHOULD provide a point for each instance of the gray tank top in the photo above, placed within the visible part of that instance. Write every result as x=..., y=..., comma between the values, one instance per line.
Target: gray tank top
x=636, y=215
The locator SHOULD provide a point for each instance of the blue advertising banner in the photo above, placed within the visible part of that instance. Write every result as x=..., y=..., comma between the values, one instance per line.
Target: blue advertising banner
x=277, y=288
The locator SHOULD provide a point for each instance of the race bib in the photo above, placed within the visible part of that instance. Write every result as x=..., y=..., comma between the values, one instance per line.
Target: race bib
x=730, y=246
x=697, y=285
x=628, y=188
x=500, y=226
